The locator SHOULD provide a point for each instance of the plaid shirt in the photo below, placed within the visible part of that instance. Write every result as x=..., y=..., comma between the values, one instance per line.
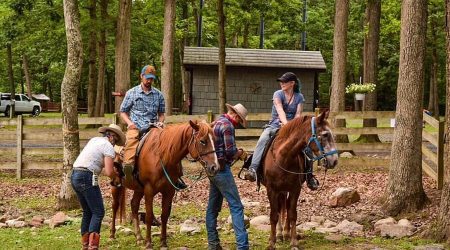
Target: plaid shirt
x=224, y=139
x=143, y=108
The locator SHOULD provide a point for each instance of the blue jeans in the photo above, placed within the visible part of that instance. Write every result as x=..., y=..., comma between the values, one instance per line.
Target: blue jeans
x=91, y=201
x=260, y=145
x=223, y=186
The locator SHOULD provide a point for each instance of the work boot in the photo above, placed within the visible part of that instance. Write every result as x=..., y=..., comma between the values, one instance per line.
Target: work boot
x=94, y=241
x=128, y=171
x=250, y=175
x=180, y=184
x=85, y=241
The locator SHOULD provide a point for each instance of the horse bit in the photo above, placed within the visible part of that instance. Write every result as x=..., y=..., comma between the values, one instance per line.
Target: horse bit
x=308, y=152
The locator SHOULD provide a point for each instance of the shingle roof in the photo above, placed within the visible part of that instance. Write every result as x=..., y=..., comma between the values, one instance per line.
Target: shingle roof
x=256, y=58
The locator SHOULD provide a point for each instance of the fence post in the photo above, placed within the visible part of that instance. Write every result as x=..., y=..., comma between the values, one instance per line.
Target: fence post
x=440, y=155
x=19, y=146
x=114, y=119
x=210, y=116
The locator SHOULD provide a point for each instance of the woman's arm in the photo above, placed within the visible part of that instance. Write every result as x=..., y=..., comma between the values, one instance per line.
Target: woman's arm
x=299, y=110
x=279, y=107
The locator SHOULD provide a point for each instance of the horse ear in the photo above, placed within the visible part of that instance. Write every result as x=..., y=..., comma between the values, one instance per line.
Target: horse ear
x=194, y=125
x=323, y=116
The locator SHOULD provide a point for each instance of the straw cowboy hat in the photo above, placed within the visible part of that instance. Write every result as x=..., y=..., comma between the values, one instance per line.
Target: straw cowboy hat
x=117, y=130
x=241, y=111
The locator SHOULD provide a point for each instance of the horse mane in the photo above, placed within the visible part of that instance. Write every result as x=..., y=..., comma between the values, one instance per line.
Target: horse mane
x=295, y=126
x=168, y=141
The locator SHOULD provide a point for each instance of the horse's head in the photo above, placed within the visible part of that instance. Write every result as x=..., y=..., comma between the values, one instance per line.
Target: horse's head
x=201, y=147
x=321, y=142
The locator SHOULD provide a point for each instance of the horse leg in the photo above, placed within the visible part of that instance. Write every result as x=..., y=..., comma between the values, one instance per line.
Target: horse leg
x=292, y=217
x=285, y=221
x=166, y=209
x=149, y=195
x=274, y=216
x=135, y=202
x=282, y=216
x=115, y=193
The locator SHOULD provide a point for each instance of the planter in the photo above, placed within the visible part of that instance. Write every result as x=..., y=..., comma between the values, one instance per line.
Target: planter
x=360, y=97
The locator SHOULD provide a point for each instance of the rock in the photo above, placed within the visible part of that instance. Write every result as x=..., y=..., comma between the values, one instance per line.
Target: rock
x=350, y=228
x=189, y=227
x=127, y=231
x=246, y=221
x=346, y=155
x=307, y=226
x=329, y=223
x=430, y=247
x=334, y=237
x=20, y=218
x=47, y=221
x=394, y=231
x=343, y=197
x=325, y=230
x=37, y=221
x=250, y=204
x=157, y=233
x=261, y=222
x=16, y=223
x=3, y=225
x=386, y=221
x=58, y=219
x=3, y=218
x=319, y=219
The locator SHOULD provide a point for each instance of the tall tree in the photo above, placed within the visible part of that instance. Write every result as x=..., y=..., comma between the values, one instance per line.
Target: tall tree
x=441, y=230
x=69, y=93
x=337, y=98
x=26, y=72
x=122, y=62
x=404, y=191
x=92, y=84
x=167, y=59
x=433, y=101
x=370, y=60
x=100, y=100
x=222, y=67
x=183, y=42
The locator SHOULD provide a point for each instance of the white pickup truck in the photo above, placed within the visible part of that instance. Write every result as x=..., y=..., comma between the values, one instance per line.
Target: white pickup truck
x=22, y=104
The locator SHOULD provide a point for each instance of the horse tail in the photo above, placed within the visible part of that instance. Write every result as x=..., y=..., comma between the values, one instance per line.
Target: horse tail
x=122, y=205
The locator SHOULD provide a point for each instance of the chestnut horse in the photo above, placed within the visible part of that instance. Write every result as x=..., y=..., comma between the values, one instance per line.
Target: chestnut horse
x=284, y=164
x=159, y=166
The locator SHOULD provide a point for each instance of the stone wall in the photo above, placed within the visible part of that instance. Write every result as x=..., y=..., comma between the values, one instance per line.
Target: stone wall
x=253, y=87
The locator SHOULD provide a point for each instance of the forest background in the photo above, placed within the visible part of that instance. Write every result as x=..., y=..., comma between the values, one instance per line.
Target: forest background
x=35, y=31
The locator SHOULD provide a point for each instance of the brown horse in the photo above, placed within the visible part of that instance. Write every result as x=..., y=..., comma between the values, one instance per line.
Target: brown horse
x=159, y=166
x=284, y=166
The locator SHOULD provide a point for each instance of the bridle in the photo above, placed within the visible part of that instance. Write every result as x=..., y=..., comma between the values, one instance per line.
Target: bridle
x=194, y=141
x=309, y=153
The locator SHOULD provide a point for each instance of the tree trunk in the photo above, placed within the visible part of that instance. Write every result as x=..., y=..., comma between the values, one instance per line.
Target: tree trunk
x=69, y=92
x=433, y=102
x=442, y=228
x=370, y=62
x=12, y=87
x=404, y=191
x=184, y=74
x=337, y=99
x=99, y=99
x=26, y=72
x=167, y=54
x=122, y=62
x=245, y=34
x=92, y=84
x=222, y=55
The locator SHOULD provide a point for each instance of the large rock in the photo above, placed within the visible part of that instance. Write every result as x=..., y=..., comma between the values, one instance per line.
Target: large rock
x=343, y=197
x=318, y=219
x=346, y=155
x=16, y=223
x=385, y=221
x=261, y=222
x=402, y=229
x=430, y=247
x=307, y=226
x=37, y=221
x=350, y=228
x=329, y=224
x=326, y=230
x=57, y=220
x=189, y=227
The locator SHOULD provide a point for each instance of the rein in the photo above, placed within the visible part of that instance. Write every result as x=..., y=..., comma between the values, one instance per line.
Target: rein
x=307, y=151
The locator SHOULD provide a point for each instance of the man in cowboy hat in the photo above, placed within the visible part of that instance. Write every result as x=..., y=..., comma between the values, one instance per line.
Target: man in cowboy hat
x=98, y=154
x=142, y=106
x=222, y=185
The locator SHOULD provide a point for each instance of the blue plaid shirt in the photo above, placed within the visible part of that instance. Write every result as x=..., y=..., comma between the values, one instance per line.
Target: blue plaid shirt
x=224, y=139
x=143, y=108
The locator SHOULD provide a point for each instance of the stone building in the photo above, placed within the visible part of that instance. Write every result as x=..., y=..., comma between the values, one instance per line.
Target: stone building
x=251, y=76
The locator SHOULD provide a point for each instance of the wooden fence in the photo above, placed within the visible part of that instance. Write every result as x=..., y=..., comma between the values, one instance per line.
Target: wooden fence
x=37, y=142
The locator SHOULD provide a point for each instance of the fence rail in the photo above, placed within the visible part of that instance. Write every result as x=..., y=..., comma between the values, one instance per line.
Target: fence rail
x=41, y=138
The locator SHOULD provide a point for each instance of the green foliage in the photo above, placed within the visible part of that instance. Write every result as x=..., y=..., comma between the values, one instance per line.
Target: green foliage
x=360, y=88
